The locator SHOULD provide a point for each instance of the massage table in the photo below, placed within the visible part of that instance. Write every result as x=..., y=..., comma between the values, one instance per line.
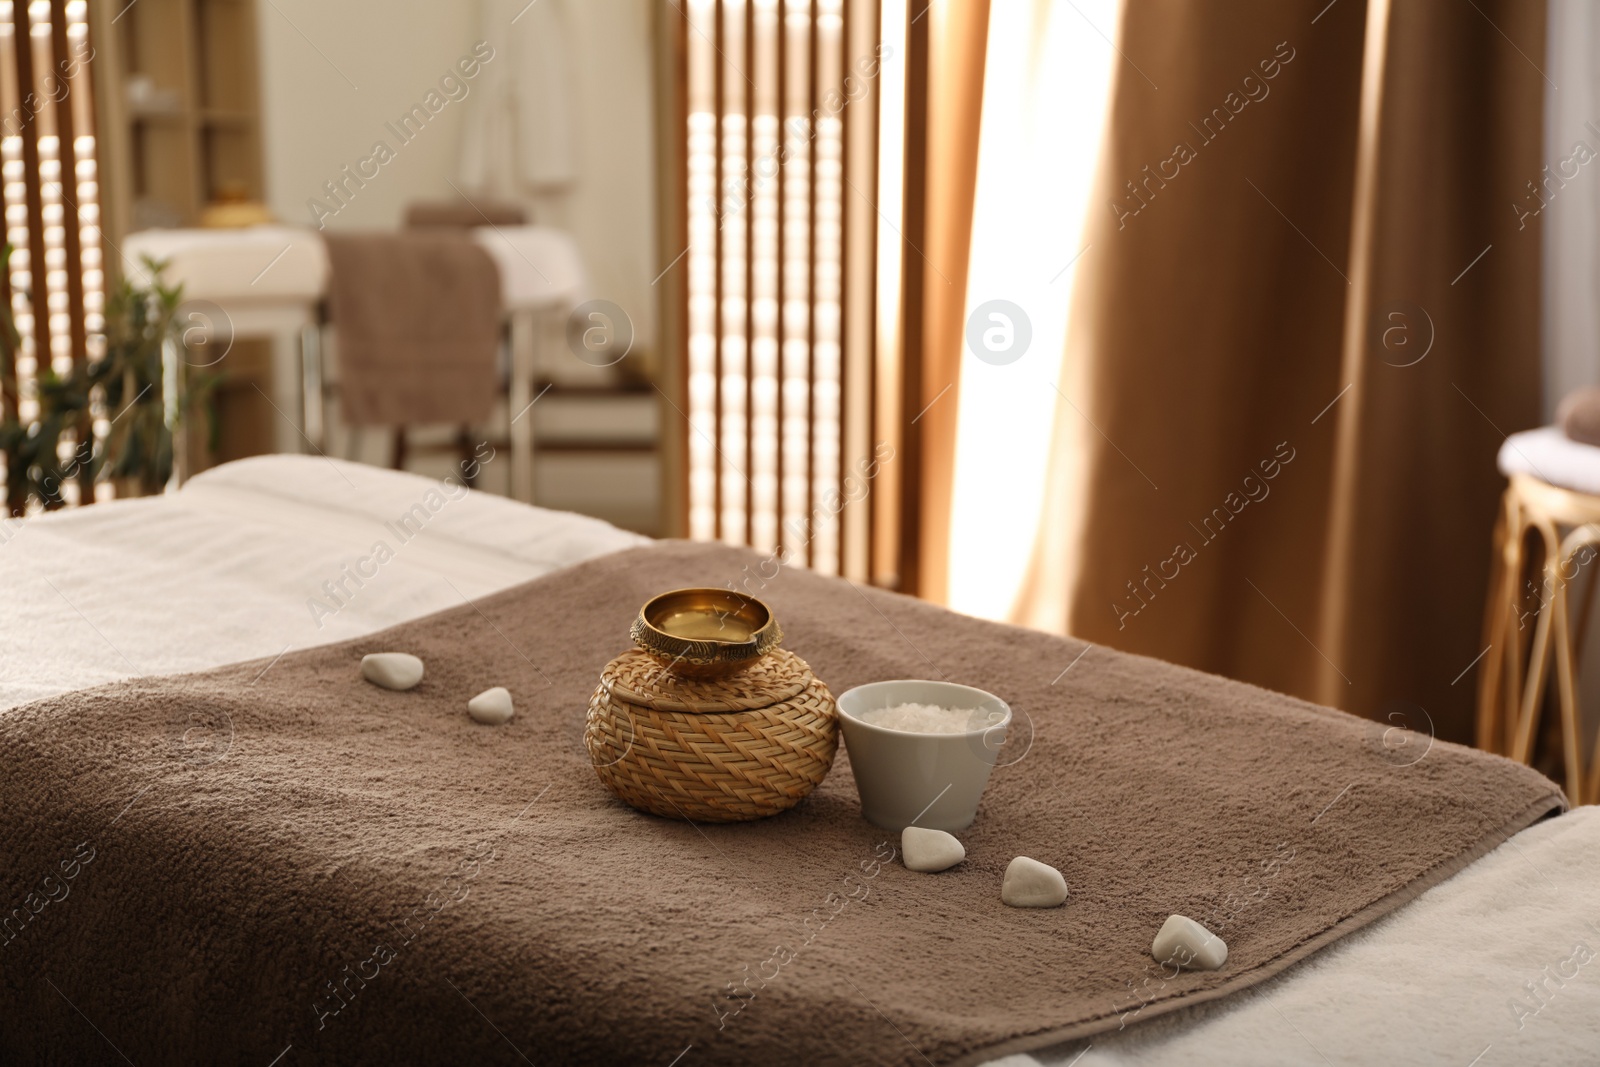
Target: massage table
x=269, y=282
x=1478, y=970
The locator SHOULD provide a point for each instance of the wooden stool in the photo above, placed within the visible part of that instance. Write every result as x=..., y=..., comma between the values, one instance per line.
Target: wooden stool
x=1511, y=688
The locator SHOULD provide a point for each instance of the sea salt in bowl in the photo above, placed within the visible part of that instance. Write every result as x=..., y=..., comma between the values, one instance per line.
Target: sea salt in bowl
x=921, y=751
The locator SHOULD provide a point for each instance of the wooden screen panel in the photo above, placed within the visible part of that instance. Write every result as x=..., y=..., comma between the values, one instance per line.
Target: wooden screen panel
x=783, y=438
x=29, y=261
x=734, y=99
x=794, y=284
x=766, y=244
x=55, y=285
x=701, y=381
x=859, y=264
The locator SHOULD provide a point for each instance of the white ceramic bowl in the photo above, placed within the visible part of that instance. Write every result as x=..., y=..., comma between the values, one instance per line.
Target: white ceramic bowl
x=931, y=780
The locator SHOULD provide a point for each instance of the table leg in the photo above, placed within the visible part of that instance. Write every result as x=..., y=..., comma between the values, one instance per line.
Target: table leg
x=1491, y=709
x=522, y=343
x=1539, y=659
x=311, y=384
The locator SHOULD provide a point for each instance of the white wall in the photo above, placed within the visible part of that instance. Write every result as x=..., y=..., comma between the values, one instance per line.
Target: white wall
x=613, y=209
x=334, y=73
x=1572, y=221
x=1571, y=231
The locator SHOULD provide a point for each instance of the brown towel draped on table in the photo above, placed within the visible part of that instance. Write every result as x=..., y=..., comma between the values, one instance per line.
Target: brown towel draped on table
x=351, y=863
x=417, y=318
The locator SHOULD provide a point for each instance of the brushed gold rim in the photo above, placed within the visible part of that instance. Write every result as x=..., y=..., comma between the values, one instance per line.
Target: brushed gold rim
x=699, y=652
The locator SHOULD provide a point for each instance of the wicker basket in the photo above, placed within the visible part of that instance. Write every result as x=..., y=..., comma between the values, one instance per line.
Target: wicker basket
x=727, y=749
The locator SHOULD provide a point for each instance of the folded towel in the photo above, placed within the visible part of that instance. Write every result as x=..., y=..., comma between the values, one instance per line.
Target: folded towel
x=463, y=214
x=417, y=317
x=1579, y=415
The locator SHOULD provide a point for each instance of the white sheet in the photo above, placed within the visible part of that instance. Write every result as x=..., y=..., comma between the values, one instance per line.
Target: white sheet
x=539, y=266
x=257, y=263
x=223, y=570
x=227, y=569
x=1443, y=980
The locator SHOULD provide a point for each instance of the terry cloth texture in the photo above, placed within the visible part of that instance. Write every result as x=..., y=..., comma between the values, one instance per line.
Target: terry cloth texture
x=216, y=867
x=417, y=317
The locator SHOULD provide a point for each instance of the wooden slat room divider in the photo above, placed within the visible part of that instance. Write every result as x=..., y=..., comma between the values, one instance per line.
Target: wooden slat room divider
x=792, y=187
x=55, y=284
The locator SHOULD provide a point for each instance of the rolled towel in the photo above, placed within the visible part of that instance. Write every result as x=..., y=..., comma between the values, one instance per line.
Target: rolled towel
x=463, y=214
x=1579, y=415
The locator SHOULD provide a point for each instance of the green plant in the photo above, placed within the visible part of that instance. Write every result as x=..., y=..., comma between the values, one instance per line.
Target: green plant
x=137, y=453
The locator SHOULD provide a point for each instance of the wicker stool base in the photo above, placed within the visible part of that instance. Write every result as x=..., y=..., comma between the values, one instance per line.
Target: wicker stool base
x=726, y=749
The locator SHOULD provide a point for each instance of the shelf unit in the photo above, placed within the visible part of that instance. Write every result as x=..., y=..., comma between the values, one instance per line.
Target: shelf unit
x=181, y=114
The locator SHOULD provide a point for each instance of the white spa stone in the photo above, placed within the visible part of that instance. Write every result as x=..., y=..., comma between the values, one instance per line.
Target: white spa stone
x=491, y=707
x=392, y=670
x=1185, y=942
x=1031, y=884
x=922, y=849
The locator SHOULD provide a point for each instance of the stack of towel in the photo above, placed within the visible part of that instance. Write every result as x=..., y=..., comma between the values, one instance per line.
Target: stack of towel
x=1579, y=415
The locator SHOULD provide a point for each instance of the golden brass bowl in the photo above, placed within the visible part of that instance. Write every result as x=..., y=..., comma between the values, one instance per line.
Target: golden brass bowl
x=703, y=633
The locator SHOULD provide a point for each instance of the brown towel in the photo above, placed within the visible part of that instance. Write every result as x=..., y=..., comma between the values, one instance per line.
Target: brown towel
x=279, y=853
x=1579, y=415
x=417, y=318
x=463, y=214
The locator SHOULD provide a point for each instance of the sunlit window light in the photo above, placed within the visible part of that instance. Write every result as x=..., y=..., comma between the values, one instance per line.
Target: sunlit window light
x=1046, y=88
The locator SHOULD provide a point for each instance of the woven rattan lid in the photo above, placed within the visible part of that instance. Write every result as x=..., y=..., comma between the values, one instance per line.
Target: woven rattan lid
x=636, y=678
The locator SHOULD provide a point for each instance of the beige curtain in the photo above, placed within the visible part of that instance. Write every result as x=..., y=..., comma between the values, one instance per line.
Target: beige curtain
x=1309, y=320
x=957, y=39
